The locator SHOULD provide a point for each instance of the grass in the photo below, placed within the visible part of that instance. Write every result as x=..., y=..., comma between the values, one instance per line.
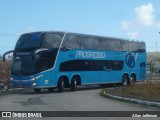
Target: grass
x=148, y=90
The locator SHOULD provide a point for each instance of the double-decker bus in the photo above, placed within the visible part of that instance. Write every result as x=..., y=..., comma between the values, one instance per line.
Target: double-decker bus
x=49, y=60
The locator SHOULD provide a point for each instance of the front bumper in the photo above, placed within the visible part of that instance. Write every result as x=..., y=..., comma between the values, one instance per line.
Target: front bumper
x=23, y=83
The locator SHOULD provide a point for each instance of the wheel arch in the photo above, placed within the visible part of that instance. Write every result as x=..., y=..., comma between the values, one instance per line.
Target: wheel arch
x=124, y=82
x=66, y=80
x=125, y=74
x=134, y=74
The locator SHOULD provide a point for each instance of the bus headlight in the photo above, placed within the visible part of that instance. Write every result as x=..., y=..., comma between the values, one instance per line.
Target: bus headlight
x=34, y=84
x=11, y=78
x=33, y=79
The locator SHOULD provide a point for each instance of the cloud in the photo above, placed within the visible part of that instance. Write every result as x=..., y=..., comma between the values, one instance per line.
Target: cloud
x=158, y=25
x=144, y=17
x=133, y=35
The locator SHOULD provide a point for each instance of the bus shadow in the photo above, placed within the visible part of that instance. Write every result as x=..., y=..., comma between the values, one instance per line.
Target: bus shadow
x=67, y=90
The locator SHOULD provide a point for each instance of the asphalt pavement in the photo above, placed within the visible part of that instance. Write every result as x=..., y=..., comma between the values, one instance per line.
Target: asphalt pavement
x=84, y=99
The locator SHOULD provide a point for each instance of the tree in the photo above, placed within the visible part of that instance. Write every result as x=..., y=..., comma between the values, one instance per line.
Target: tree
x=5, y=70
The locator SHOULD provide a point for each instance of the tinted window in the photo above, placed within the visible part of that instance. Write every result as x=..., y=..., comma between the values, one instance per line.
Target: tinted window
x=111, y=44
x=30, y=40
x=136, y=47
x=74, y=65
x=142, y=65
x=87, y=43
x=125, y=45
x=46, y=60
x=52, y=40
x=107, y=44
x=141, y=47
x=72, y=42
x=133, y=46
x=94, y=65
x=115, y=45
x=91, y=65
x=104, y=65
x=23, y=65
x=100, y=44
x=117, y=65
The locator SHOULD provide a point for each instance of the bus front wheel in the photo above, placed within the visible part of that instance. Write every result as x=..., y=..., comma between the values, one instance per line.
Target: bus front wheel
x=61, y=85
x=74, y=84
x=125, y=80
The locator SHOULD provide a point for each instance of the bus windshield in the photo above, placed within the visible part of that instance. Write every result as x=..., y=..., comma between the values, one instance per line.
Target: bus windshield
x=23, y=65
x=30, y=40
x=29, y=65
x=39, y=40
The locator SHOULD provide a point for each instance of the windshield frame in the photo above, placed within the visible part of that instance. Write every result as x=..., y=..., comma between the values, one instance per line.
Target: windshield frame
x=23, y=66
x=42, y=40
x=33, y=38
x=30, y=52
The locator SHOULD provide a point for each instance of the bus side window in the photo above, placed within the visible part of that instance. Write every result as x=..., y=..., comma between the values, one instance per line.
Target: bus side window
x=116, y=45
x=117, y=65
x=124, y=45
x=100, y=44
x=87, y=43
x=52, y=40
x=72, y=42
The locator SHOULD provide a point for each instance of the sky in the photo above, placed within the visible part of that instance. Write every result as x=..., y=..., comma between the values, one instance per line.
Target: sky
x=128, y=19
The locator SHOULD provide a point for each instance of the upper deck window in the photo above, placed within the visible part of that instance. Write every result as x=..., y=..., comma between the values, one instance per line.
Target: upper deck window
x=30, y=40
x=52, y=40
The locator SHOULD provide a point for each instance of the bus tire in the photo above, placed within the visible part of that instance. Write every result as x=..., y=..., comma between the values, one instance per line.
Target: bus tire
x=125, y=80
x=37, y=90
x=132, y=79
x=61, y=84
x=74, y=83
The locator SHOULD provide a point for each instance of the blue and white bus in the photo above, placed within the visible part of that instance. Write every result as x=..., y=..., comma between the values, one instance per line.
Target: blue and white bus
x=48, y=60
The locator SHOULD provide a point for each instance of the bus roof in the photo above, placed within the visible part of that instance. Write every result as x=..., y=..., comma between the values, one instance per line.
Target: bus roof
x=115, y=38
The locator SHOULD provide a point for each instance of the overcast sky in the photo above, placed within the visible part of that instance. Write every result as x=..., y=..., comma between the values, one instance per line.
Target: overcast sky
x=129, y=19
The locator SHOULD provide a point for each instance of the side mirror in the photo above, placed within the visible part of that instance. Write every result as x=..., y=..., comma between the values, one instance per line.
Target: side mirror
x=4, y=55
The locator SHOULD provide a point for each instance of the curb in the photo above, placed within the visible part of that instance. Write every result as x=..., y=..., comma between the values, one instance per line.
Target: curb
x=10, y=90
x=130, y=100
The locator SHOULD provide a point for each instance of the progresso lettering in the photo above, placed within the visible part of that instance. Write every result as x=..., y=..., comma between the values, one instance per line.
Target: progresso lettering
x=87, y=54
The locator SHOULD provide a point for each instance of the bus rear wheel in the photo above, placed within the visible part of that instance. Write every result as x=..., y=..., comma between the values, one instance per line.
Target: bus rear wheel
x=61, y=85
x=74, y=84
x=132, y=80
x=125, y=80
